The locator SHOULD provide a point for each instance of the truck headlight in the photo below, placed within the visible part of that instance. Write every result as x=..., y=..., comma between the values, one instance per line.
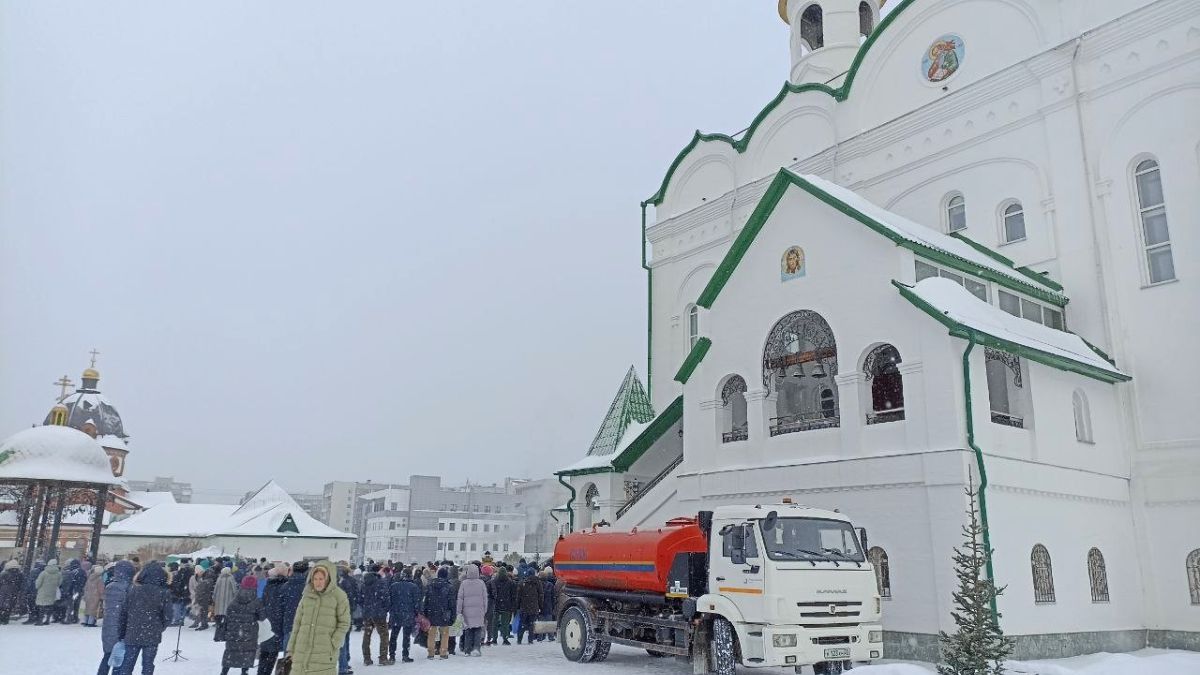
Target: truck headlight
x=783, y=640
x=875, y=636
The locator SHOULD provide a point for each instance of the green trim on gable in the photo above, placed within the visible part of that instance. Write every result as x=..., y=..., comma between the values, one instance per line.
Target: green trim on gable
x=770, y=199
x=1045, y=358
x=661, y=424
x=693, y=359
x=584, y=472
x=982, y=249
x=840, y=94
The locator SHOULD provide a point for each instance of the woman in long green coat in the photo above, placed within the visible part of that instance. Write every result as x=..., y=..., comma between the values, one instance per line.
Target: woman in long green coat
x=322, y=621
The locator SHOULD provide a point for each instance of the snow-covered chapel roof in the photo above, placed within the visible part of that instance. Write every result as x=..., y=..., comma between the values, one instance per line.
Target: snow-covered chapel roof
x=55, y=453
x=270, y=512
x=631, y=405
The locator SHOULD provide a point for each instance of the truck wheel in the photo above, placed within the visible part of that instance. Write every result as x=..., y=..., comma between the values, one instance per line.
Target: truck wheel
x=601, y=652
x=724, y=660
x=575, y=635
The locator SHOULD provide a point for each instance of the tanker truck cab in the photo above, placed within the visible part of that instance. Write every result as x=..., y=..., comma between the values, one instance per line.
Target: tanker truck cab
x=795, y=587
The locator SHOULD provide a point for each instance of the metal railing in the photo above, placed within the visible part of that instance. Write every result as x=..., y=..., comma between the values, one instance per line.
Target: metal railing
x=1008, y=420
x=739, y=433
x=650, y=485
x=819, y=419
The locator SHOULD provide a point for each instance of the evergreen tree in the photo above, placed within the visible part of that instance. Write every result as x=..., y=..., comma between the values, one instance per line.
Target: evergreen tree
x=978, y=647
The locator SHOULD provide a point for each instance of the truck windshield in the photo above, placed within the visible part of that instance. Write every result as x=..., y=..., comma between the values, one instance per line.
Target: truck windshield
x=811, y=539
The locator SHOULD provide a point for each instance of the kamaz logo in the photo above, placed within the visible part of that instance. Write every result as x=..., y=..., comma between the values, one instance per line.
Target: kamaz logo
x=840, y=591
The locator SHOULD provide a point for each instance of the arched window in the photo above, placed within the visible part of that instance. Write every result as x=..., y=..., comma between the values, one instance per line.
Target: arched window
x=956, y=213
x=1083, y=416
x=882, y=373
x=812, y=27
x=1014, y=222
x=866, y=19
x=591, y=496
x=1043, y=575
x=693, y=325
x=733, y=410
x=1007, y=395
x=1152, y=210
x=883, y=574
x=1193, y=575
x=799, y=364
x=1098, y=575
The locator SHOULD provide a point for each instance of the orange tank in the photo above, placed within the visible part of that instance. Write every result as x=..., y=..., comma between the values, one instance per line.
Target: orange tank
x=639, y=560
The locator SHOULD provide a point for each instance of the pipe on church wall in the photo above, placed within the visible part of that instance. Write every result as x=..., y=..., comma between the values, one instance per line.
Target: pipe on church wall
x=983, y=480
x=570, y=503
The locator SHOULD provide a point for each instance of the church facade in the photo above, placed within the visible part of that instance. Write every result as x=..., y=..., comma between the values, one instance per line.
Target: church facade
x=959, y=247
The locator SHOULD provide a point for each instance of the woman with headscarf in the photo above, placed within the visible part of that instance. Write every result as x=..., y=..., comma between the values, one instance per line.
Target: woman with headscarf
x=241, y=627
x=321, y=623
x=93, y=593
x=224, y=591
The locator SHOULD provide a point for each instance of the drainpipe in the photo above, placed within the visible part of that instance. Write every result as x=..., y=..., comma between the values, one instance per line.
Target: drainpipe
x=649, y=310
x=983, y=480
x=570, y=503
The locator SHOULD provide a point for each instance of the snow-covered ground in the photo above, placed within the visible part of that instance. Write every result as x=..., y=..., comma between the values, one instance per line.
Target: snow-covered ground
x=74, y=650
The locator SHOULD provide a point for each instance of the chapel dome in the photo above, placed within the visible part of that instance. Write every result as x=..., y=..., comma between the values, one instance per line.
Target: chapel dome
x=54, y=453
x=88, y=404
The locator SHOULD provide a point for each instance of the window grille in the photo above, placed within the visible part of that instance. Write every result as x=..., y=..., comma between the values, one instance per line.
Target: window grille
x=887, y=385
x=1098, y=575
x=1043, y=575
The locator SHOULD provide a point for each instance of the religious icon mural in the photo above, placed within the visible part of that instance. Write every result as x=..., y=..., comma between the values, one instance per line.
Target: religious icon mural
x=792, y=265
x=943, y=57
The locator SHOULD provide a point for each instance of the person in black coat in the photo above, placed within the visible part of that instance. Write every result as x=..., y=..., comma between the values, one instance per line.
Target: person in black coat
x=146, y=614
x=405, y=602
x=241, y=628
x=179, y=592
x=375, y=600
x=504, y=590
x=349, y=586
x=11, y=583
x=289, y=599
x=70, y=588
x=116, y=593
x=272, y=600
x=529, y=603
x=549, y=598
x=439, y=607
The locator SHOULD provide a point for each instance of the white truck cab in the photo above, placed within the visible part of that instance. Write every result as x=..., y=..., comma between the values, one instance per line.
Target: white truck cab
x=795, y=587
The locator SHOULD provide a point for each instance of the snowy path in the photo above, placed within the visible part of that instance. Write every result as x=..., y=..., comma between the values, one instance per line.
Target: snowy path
x=74, y=650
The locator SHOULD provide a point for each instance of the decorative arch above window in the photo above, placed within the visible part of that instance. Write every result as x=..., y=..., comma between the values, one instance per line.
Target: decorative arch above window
x=812, y=27
x=734, y=426
x=1083, y=416
x=956, y=212
x=1152, y=212
x=1193, y=575
x=1097, y=575
x=1043, y=575
x=883, y=572
x=799, y=363
x=1013, y=222
x=882, y=374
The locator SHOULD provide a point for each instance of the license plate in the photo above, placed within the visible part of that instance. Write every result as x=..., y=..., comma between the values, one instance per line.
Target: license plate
x=837, y=653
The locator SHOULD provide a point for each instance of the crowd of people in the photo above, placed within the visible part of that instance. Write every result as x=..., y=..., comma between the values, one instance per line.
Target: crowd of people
x=300, y=612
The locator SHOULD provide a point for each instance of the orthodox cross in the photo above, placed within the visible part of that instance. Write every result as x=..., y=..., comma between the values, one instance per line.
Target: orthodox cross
x=64, y=383
x=94, y=354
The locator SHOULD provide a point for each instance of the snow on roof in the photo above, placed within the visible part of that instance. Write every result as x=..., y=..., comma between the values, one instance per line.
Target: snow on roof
x=111, y=441
x=271, y=493
x=918, y=233
x=148, y=499
x=590, y=462
x=56, y=453
x=958, y=304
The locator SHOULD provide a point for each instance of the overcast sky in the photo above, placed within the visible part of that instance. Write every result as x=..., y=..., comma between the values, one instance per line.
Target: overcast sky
x=324, y=241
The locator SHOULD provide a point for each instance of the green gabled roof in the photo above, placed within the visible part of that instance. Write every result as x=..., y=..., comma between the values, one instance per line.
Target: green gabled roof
x=971, y=258
x=631, y=404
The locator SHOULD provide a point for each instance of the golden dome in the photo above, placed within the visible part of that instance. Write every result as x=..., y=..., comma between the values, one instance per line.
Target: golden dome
x=783, y=11
x=91, y=374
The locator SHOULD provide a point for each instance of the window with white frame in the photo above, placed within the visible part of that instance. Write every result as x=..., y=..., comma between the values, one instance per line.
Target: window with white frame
x=1028, y=309
x=956, y=213
x=1013, y=222
x=1152, y=211
x=693, y=325
x=1083, y=416
x=977, y=288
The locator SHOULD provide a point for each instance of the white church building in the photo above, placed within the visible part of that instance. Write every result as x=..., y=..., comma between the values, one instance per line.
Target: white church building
x=961, y=245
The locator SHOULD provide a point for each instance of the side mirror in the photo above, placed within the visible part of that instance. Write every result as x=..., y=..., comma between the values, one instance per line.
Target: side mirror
x=862, y=538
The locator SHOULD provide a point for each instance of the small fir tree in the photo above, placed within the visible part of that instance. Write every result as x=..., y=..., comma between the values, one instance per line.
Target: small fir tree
x=978, y=647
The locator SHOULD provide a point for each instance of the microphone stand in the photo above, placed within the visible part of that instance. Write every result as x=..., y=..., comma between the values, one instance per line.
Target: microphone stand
x=177, y=655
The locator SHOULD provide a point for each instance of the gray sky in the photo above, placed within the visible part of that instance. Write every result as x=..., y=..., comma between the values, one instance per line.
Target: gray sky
x=319, y=241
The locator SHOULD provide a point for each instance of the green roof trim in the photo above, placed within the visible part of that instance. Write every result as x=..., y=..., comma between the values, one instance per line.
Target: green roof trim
x=1045, y=358
x=839, y=94
x=982, y=249
x=1041, y=277
x=693, y=359
x=770, y=199
x=631, y=454
x=631, y=404
x=584, y=472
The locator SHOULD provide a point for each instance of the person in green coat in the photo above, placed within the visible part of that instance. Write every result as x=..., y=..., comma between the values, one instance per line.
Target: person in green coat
x=322, y=621
x=47, y=590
